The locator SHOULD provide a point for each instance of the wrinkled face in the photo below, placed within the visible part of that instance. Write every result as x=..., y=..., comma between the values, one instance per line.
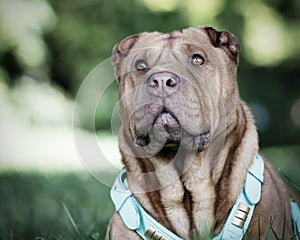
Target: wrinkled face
x=178, y=87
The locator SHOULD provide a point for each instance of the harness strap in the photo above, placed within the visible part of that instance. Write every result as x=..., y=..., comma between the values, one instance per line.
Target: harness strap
x=133, y=214
x=241, y=214
x=236, y=225
x=296, y=219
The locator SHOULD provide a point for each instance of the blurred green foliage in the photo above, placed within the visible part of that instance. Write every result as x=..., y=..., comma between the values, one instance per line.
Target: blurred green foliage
x=32, y=206
x=62, y=41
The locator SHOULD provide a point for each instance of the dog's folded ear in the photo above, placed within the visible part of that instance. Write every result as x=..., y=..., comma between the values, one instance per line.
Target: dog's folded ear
x=122, y=48
x=224, y=40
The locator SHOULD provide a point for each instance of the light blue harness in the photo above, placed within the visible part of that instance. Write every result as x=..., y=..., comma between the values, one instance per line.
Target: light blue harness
x=137, y=219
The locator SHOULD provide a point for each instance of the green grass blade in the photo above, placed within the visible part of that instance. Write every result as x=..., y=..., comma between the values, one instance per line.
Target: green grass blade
x=72, y=221
x=297, y=234
x=274, y=233
x=269, y=228
x=258, y=227
x=272, y=229
x=283, y=227
x=289, y=181
x=11, y=234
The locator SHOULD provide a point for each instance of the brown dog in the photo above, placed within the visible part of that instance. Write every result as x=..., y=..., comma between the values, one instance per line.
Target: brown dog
x=187, y=139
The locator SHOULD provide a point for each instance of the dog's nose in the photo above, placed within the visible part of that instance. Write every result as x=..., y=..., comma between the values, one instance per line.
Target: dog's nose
x=163, y=83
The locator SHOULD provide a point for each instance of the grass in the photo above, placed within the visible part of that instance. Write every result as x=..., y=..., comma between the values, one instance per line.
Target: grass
x=77, y=206
x=34, y=206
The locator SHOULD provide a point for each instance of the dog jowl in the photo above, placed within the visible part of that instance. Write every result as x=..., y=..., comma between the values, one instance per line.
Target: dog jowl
x=187, y=139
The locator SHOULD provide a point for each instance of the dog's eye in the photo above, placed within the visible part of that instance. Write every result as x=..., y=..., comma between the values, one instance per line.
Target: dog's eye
x=141, y=65
x=197, y=59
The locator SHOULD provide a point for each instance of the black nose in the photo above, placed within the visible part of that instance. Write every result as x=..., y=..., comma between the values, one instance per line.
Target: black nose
x=163, y=83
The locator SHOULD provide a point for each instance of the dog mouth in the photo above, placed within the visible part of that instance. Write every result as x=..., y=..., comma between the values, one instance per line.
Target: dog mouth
x=167, y=130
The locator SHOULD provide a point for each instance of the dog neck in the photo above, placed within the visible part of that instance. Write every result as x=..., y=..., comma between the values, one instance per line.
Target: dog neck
x=196, y=196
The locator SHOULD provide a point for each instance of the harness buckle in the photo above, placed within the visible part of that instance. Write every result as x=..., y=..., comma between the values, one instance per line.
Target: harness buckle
x=241, y=215
x=153, y=234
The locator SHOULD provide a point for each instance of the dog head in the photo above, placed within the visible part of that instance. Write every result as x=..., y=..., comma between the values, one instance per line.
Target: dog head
x=178, y=87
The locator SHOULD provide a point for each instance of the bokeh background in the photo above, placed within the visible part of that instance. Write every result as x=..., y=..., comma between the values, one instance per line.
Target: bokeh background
x=48, y=47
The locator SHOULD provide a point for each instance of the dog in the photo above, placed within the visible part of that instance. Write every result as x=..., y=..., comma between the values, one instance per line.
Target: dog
x=188, y=142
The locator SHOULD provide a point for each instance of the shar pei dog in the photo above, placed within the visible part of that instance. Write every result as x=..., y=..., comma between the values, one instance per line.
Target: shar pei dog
x=190, y=146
